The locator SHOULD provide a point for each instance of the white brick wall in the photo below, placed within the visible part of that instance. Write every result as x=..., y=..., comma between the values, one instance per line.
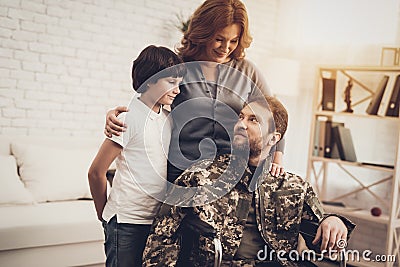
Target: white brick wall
x=64, y=63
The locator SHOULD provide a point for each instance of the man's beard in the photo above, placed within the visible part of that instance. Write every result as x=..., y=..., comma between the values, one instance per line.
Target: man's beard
x=250, y=149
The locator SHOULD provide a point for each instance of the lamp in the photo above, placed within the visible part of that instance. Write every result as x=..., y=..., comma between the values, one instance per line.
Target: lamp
x=282, y=76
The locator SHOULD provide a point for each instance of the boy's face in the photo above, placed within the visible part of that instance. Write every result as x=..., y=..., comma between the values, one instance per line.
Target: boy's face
x=165, y=90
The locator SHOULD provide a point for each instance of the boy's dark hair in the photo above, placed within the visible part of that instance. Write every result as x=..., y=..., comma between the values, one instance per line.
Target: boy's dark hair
x=154, y=63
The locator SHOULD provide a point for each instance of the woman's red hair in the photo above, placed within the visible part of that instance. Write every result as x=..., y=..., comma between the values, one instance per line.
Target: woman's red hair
x=211, y=17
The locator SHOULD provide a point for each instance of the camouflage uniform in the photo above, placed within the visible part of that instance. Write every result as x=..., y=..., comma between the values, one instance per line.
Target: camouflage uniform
x=280, y=203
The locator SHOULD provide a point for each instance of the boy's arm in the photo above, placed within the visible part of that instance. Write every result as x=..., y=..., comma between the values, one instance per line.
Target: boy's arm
x=108, y=151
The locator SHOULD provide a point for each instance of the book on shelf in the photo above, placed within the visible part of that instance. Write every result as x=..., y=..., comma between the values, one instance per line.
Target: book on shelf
x=338, y=208
x=383, y=165
x=321, y=138
x=321, y=133
x=386, y=97
x=333, y=203
x=327, y=142
x=344, y=142
x=373, y=106
x=334, y=147
x=323, y=141
x=315, y=152
x=394, y=101
x=335, y=151
x=328, y=94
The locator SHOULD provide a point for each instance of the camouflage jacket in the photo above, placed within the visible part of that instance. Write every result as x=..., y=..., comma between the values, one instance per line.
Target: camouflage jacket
x=280, y=202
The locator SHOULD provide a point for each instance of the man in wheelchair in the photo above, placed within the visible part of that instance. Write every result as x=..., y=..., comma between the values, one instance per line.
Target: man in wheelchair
x=234, y=198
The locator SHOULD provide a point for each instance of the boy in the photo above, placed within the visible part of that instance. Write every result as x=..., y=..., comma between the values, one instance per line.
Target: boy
x=141, y=162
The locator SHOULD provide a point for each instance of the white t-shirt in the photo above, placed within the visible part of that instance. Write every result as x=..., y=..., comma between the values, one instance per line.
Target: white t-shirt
x=140, y=178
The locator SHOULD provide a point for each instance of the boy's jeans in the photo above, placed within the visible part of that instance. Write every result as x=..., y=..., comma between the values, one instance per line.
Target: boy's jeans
x=124, y=243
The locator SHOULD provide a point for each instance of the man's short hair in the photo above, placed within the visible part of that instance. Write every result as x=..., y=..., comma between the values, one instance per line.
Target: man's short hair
x=279, y=119
x=154, y=63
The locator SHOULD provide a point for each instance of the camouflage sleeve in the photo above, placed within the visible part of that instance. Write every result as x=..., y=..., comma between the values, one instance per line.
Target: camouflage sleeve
x=162, y=247
x=163, y=243
x=313, y=210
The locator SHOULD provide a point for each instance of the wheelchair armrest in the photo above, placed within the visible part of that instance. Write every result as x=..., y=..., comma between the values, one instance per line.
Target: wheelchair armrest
x=204, y=229
x=199, y=226
x=308, y=229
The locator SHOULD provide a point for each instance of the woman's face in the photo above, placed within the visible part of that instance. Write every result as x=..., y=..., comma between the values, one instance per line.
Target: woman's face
x=222, y=44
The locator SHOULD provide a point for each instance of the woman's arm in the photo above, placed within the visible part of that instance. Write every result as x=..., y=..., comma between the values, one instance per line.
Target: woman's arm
x=114, y=126
x=108, y=151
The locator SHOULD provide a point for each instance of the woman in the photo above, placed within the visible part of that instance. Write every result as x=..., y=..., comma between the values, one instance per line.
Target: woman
x=218, y=82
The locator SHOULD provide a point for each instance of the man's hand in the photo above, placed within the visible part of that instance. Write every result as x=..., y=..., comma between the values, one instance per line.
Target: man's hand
x=331, y=230
x=113, y=125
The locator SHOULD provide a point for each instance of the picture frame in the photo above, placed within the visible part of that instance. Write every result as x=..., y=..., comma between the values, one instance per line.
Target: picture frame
x=390, y=56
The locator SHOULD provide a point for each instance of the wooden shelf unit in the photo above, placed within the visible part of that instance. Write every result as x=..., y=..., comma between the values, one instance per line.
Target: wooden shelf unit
x=319, y=177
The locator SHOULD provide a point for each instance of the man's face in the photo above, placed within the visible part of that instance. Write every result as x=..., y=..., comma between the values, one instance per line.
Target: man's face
x=251, y=132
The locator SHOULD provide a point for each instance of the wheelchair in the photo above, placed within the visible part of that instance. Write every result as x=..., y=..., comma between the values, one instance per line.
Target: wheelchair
x=192, y=227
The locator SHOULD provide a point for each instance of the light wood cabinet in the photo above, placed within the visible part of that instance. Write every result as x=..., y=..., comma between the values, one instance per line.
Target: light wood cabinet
x=319, y=171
